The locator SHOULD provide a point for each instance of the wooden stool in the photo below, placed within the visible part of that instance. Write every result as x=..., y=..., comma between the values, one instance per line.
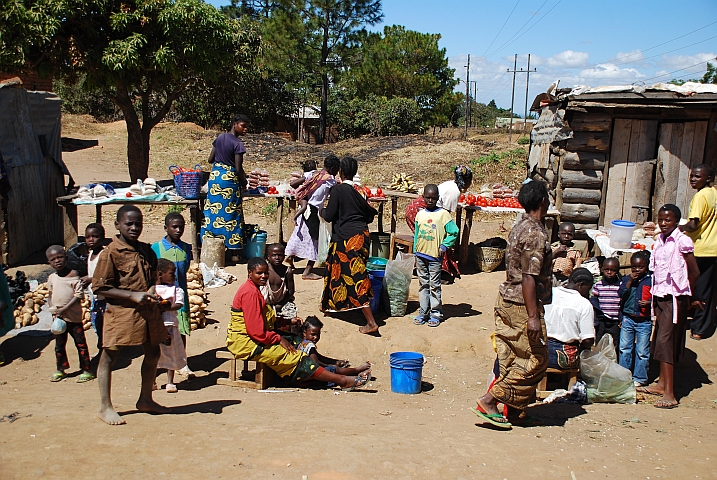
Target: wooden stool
x=403, y=240
x=571, y=374
x=263, y=375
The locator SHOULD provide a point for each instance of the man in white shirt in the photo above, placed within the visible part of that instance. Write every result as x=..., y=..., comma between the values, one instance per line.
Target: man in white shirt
x=569, y=321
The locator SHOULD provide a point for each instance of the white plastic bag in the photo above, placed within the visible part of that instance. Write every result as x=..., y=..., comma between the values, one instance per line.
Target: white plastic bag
x=607, y=381
x=397, y=282
x=324, y=241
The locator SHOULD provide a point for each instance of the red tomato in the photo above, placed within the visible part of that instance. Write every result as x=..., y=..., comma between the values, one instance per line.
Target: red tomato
x=462, y=198
x=128, y=194
x=379, y=192
x=367, y=192
x=471, y=199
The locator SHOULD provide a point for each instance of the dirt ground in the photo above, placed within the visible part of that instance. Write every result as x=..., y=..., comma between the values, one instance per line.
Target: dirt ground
x=225, y=432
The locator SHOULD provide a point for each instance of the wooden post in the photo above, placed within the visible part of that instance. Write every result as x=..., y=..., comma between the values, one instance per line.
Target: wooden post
x=196, y=230
x=465, y=237
x=70, y=233
x=98, y=213
x=380, y=217
x=280, y=212
x=394, y=212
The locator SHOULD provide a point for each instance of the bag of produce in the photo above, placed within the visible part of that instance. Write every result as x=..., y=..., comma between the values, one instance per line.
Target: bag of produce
x=607, y=381
x=397, y=281
x=324, y=241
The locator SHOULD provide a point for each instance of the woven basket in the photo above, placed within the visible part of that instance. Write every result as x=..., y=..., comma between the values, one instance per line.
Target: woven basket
x=488, y=258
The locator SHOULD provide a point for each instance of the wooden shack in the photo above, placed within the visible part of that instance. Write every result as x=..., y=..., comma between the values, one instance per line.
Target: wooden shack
x=611, y=155
x=32, y=174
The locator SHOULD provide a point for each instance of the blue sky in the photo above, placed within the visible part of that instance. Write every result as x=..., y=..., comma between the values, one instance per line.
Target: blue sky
x=580, y=43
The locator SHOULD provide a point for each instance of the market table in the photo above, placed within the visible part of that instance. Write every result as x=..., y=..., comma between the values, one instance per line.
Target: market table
x=196, y=207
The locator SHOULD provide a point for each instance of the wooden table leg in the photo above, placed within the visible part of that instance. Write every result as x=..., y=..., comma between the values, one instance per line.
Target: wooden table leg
x=380, y=217
x=465, y=238
x=98, y=213
x=280, y=231
x=69, y=224
x=394, y=215
x=195, y=220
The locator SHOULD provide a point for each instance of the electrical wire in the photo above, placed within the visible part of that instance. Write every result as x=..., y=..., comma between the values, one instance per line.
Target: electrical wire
x=529, y=28
x=665, y=53
x=521, y=28
x=501, y=29
x=681, y=69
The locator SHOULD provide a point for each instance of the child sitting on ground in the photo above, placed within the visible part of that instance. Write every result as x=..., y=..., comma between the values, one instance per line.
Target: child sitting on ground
x=311, y=333
x=636, y=317
x=606, y=302
x=175, y=250
x=173, y=354
x=66, y=292
x=565, y=257
x=435, y=233
x=279, y=290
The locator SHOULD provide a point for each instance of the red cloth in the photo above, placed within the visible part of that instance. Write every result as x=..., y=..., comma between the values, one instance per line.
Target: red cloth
x=251, y=302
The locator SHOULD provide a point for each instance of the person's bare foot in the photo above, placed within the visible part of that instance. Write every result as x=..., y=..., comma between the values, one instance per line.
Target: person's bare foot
x=488, y=407
x=368, y=329
x=110, y=417
x=364, y=366
x=150, y=406
x=311, y=276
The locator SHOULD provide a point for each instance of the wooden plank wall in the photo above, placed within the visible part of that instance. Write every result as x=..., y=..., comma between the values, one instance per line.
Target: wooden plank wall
x=581, y=164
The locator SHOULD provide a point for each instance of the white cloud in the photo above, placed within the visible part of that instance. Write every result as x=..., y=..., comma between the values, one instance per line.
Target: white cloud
x=569, y=58
x=609, y=71
x=682, y=61
x=633, y=56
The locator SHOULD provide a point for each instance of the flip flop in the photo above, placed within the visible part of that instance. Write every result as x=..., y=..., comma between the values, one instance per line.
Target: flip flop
x=492, y=418
x=666, y=405
x=647, y=391
x=696, y=337
x=85, y=377
x=57, y=376
x=360, y=381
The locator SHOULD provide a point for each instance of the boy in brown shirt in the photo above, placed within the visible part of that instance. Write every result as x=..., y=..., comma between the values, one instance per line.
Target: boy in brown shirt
x=125, y=272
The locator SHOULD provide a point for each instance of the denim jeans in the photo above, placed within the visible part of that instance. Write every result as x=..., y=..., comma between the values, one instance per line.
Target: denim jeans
x=635, y=340
x=429, y=287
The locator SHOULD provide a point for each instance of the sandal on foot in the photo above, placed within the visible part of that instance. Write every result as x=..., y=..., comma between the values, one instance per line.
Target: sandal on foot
x=666, y=404
x=647, y=391
x=434, y=321
x=695, y=336
x=171, y=388
x=360, y=381
x=57, y=376
x=419, y=320
x=495, y=419
x=85, y=377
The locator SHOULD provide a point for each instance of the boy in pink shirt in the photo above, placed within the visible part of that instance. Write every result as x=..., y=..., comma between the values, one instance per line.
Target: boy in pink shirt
x=675, y=273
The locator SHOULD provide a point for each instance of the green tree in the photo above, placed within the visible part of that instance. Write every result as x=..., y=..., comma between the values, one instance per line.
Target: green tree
x=143, y=54
x=406, y=63
x=313, y=39
x=710, y=76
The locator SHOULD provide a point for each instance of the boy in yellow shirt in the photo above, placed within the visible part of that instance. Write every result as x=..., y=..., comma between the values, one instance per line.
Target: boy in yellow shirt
x=702, y=229
x=435, y=233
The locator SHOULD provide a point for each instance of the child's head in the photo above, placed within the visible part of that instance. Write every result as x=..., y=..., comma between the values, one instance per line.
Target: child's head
x=308, y=166
x=581, y=280
x=56, y=257
x=275, y=254
x=701, y=176
x=349, y=167
x=94, y=235
x=165, y=272
x=332, y=164
x=174, y=226
x=311, y=329
x=566, y=232
x=639, y=263
x=533, y=196
x=129, y=222
x=668, y=217
x=430, y=195
x=610, y=268
x=257, y=271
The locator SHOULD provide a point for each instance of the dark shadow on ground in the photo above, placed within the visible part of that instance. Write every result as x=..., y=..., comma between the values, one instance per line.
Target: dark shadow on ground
x=75, y=144
x=127, y=354
x=27, y=345
x=426, y=386
x=356, y=317
x=213, y=406
x=555, y=414
x=459, y=310
x=689, y=375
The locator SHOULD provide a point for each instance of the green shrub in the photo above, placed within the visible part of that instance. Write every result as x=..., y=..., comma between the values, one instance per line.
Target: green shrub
x=377, y=116
x=523, y=140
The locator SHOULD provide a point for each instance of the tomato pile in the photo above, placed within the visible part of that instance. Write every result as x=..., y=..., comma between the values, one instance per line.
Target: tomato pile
x=639, y=246
x=479, y=201
x=272, y=190
x=366, y=192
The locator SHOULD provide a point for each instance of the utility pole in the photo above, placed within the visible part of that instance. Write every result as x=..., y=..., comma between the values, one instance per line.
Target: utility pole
x=512, y=100
x=475, y=93
x=527, y=86
x=468, y=73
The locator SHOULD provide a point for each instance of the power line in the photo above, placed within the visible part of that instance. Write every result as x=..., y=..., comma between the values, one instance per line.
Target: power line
x=521, y=28
x=501, y=29
x=529, y=28
x=496, y=84
x=681, y=69
x=665, y=53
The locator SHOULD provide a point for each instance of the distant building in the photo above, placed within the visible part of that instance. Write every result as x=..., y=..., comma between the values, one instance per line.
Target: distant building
x=518, y=123
x=303, y=125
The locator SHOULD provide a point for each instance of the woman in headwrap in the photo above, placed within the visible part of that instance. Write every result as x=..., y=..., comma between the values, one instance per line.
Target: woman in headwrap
x=449, y=192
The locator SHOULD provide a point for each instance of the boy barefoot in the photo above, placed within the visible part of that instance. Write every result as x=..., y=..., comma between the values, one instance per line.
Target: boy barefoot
x=125, y=272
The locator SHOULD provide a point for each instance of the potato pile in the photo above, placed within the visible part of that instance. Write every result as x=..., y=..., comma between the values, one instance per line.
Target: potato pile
x=28, y=306
x=197, y=297
x=86, y=315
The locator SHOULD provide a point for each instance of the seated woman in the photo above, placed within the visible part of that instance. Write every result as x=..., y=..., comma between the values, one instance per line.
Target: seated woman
x=251, y=336
x=569, y=321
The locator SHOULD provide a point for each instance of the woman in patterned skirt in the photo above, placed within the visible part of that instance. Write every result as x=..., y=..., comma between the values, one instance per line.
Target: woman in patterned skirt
x=223, y=213
x=346, y=282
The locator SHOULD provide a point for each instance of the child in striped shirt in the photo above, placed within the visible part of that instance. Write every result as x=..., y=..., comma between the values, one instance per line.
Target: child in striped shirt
x=606, y=302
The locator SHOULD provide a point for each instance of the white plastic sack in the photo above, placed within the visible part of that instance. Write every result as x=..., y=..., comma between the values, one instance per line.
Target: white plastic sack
x=215, y=277
x=397, y=282
x=324, y=241
x=607, y=381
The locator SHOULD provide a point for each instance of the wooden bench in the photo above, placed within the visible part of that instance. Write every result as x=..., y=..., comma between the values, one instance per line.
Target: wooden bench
x=571, y=374
x=261, y=374
x=402, y=240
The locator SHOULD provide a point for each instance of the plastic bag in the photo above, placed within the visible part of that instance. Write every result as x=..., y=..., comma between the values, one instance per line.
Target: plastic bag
x=607, y=381
x=397, y=281
x=324, y=241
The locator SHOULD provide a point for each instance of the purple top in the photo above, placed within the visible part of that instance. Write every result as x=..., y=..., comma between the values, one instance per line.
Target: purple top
x=226, y=146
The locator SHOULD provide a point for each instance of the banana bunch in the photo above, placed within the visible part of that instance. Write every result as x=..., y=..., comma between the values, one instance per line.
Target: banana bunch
x=403, y=183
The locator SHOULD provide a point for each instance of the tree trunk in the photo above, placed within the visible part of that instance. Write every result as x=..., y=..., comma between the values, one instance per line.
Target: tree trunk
x=137, y=150
x=324, y=107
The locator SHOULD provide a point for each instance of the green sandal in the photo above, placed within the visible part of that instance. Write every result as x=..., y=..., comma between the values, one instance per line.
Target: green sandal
x=85, y=377
x=57, y=376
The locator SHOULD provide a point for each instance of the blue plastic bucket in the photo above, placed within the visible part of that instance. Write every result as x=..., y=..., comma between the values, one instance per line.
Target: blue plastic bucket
x=255, y=246
x=406, y=372
x=376, y=278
